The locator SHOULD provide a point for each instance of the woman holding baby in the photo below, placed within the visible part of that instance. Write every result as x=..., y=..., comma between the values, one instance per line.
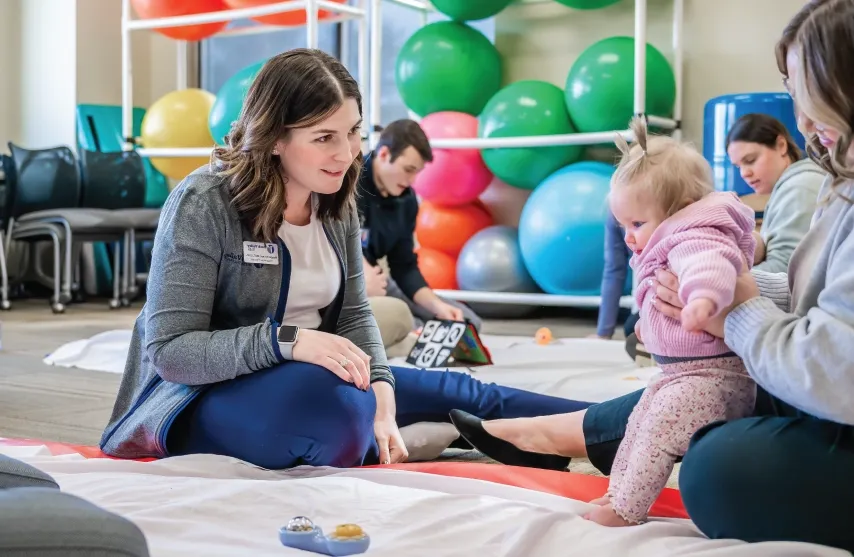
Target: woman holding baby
x=783, y=472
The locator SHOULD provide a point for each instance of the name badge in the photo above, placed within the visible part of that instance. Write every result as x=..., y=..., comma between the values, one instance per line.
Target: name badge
x=259, y=252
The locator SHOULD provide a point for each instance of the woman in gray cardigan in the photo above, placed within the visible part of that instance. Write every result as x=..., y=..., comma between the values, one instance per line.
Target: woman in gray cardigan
x=257, y=339
x=785, y=473
x=771, y=163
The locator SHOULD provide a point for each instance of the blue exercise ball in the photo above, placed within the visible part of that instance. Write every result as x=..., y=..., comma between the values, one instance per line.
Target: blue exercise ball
x=562, y=230
x=720, y=113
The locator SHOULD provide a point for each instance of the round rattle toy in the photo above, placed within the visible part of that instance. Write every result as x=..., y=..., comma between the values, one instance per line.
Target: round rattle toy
x=346, y=539
x=543, y=336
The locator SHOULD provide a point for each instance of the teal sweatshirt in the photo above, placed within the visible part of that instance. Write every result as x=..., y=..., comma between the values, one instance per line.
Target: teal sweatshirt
x=788, y=214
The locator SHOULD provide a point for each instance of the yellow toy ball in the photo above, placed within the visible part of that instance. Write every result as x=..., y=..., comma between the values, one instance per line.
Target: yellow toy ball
x=178, y=119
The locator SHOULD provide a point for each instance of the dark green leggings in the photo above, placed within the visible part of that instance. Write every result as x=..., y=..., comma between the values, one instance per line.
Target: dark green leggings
x=779, y=476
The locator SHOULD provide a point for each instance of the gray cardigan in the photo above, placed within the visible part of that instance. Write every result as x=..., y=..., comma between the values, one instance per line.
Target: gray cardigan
x=797, y=339
x=210, y=316
x=789, y=212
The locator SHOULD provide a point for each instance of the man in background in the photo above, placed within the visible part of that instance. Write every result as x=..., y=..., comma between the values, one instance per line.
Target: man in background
x=388, y=210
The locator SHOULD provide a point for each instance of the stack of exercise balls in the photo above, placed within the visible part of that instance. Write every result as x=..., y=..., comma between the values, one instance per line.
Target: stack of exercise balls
x=522, y=219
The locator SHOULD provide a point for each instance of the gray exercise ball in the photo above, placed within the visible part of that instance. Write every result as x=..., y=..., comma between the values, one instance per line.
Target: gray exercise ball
x=492, y=262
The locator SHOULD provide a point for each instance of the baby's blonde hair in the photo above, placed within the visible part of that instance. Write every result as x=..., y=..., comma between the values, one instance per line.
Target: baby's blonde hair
x=665, y=171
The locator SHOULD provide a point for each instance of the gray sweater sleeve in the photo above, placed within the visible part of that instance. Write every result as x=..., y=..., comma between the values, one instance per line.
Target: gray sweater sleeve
x=803, y=360
x=356, y=322
x=774, y=286
x=181, y=287
x=788, y=219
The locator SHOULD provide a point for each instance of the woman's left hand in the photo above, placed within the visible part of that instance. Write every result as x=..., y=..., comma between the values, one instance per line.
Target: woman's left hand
x=391, y=445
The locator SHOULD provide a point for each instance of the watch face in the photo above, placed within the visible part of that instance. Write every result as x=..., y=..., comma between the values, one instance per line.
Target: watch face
x=287, y=334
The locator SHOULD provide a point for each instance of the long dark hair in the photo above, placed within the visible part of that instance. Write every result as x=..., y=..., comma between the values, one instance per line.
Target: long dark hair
x=295, y=89
x=764, y=130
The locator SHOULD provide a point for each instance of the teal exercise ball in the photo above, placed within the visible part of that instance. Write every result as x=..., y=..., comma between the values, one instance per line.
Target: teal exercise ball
x=447, y=66
x=470, y=10
x=229, y=101
x=562, y=230
x=600, y=85
x=587, y=4
x=527, y=108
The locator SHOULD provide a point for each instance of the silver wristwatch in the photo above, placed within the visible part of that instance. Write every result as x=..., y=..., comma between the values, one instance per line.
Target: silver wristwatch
x=287, y=337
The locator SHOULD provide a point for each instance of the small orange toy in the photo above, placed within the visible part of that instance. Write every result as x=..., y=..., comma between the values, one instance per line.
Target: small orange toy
x=543, y=336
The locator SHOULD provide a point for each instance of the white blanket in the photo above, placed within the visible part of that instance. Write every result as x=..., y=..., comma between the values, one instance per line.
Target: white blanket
x=216, y=506
x=579, y=369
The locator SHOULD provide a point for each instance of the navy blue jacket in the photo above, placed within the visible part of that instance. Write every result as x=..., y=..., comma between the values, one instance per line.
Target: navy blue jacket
x=388, y=230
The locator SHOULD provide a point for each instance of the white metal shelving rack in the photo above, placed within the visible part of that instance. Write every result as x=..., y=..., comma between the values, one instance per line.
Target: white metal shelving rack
x=369, y=63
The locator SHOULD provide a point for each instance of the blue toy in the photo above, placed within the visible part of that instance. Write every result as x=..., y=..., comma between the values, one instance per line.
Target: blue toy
x=302, y=533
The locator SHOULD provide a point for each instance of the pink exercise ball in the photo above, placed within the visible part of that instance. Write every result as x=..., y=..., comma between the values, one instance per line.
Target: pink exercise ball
x=455, y=176
x=505, y=203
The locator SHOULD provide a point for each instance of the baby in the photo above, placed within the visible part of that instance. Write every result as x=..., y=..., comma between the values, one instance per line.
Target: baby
x=663, y=197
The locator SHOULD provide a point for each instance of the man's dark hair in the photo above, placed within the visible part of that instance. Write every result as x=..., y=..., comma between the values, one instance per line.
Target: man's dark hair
x=401, y=134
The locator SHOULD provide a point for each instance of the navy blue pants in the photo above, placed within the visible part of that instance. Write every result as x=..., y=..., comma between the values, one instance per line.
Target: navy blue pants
x=298, y=413
x=781, y=475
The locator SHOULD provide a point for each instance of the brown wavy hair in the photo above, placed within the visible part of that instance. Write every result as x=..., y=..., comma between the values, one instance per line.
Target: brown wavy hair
x=295, y=89
x=823, y=30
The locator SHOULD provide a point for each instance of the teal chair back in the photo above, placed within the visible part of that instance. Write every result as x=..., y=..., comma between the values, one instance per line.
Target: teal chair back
x=99, y=128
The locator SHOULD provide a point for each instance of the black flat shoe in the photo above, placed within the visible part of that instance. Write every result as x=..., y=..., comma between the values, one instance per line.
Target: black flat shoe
x=471, y=429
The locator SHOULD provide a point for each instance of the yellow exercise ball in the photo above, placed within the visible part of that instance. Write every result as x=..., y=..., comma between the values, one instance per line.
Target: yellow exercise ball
x=179, y=119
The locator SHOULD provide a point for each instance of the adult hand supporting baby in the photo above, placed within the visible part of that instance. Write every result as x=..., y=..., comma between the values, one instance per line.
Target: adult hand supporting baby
x=667, y=298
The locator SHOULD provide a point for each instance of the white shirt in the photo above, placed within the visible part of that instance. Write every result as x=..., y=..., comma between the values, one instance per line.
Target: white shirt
x=315, y=273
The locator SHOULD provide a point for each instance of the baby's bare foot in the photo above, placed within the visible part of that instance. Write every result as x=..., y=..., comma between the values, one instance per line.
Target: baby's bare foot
x=606, y=516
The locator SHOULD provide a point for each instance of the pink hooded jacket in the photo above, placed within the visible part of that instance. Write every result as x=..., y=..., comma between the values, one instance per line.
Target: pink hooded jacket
x=706, y=245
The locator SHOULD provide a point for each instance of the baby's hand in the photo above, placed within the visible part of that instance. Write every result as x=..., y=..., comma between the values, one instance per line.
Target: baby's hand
x=697, y=313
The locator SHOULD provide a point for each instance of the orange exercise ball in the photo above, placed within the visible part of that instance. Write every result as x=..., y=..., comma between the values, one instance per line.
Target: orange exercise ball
x=448, y=229
x=438, y=269
x=152, y=9
x=296, y=17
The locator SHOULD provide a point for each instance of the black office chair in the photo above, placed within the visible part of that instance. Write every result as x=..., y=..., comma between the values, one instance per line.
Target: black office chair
x=116, y=182
x=46, y=205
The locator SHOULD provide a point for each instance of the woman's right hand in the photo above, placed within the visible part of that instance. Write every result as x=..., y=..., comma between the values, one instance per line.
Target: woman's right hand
x=331, y=351
x=667, y=298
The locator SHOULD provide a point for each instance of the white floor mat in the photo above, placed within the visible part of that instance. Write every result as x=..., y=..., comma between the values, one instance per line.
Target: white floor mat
x=580, y=369
x=216, y=506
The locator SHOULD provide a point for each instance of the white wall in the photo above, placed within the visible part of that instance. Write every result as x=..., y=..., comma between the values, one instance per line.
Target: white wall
x=48, y=70
x=729, y=44
x=10, y=98
x=60, y=53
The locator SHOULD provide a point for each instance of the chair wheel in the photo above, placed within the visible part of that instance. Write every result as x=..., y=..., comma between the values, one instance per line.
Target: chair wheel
x=65, y=298
x=115, y=304
x=58, y=308
x=125, y=302
x=5, y=305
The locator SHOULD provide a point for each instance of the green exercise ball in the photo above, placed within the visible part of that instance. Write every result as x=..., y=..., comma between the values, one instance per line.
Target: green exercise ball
x=447, y=66
x=587, y=4
x=470, y=10
x=229, y=101
x=600, y=85
x=527, y=108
